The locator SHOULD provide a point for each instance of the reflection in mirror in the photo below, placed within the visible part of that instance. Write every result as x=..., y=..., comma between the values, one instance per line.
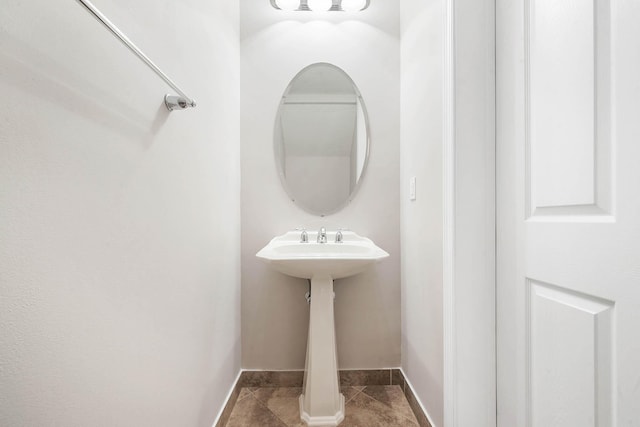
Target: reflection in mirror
x=321, y=139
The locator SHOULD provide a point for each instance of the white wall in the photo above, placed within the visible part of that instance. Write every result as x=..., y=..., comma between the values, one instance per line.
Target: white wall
x=119, y=222
x=422, y=219
x=275, y=47
x=448, y=266
x=471, y=393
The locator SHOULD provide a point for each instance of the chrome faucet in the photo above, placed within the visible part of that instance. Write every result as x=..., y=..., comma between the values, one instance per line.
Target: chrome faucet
x=304, y=237
x=339, y=236
x=322, y=235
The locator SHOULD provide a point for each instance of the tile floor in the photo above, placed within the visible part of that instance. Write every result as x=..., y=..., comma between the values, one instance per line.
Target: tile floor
x=370, y=406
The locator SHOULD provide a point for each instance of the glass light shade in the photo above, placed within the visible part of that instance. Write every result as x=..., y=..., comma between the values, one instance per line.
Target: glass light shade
x=353, y=5
x=319, y=5
x=288, y=4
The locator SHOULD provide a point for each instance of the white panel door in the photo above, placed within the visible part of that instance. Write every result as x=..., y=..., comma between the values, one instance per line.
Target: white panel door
x=568, y=213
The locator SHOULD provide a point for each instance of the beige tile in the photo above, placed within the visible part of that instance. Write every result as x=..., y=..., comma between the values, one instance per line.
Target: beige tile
x=244, y=392
x=248, y=412
x=393, y=397
x=371, y=406
x=350, y=392
x=397, y=378
x=271, y=378
x=283, y=402
x=264, y=394
x=364, y=411
x=366, y=377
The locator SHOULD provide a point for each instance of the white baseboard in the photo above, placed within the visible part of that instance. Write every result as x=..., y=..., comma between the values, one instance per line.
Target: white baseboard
x=226, y=400
x=413, y=390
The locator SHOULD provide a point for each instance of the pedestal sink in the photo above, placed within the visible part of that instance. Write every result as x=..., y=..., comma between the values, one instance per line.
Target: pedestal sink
x=322, y=404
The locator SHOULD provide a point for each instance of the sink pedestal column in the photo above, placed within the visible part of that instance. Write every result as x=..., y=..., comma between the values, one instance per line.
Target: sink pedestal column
x=322, y=404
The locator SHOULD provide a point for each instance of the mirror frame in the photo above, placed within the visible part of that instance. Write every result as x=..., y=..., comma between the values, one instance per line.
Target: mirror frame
x=279, y=165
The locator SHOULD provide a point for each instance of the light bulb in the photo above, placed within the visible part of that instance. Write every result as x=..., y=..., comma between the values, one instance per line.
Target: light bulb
x=319, y=5
x=353, y=5
x=288, y=4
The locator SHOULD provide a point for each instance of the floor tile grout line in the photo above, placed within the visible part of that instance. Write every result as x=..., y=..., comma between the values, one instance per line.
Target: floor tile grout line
x=239, y=399
x=415, y=420
x=252, y=396
x=269, y=409
x=357, y=393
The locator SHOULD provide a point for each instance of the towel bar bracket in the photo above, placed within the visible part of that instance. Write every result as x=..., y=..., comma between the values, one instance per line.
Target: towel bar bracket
x=174, y=102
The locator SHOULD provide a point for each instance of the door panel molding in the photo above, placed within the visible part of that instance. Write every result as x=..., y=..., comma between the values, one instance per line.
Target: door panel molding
x=570, y=347
x=568, y=134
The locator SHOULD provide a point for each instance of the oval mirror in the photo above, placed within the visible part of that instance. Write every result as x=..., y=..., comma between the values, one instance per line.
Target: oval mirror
x=321, y=139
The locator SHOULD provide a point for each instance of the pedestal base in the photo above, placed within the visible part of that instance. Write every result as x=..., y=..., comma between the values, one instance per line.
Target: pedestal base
x=323, y=421
x=321, y=404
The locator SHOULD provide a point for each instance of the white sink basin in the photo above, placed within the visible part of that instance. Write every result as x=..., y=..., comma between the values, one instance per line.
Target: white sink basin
x=327, y=260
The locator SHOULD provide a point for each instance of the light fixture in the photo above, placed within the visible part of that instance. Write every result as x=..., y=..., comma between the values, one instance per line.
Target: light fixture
x=353, y=5
x=321, y=5
x=288, y=4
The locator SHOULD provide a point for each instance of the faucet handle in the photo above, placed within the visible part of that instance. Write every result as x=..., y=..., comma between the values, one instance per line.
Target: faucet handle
x=304, y=237
x=322, y=235
x=339, y=236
